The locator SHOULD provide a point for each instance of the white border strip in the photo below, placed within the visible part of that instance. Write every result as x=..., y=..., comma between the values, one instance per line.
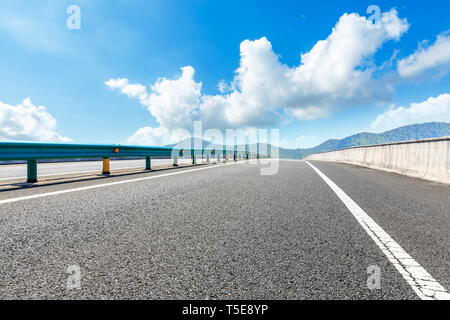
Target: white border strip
x=96, y=171
x=425, y=286
x=115, y=183
x=68, y=173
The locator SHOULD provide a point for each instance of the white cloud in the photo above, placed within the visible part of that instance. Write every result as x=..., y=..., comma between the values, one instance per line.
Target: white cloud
x=336, y=72
x=28, y=122
x=433, y=109
x=434, y=60
x=131, y=90
x=157, y=136
x=224, y=87
x=173, y=102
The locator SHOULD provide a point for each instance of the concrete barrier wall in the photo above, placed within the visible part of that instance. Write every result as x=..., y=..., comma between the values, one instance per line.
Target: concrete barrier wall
x=427, y=158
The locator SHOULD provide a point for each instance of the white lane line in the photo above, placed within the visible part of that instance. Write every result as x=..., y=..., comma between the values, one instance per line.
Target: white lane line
x=67, y=173
x=425, y=286
x=111, y=184
x=90, y=171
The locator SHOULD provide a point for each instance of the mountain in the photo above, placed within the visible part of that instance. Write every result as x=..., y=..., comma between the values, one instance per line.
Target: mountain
x=411, y=132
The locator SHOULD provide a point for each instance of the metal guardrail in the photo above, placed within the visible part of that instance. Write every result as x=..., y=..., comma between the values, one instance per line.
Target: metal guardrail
x=31, y=152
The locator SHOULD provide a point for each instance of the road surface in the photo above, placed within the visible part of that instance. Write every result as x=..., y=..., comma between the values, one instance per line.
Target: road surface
x=223, y=232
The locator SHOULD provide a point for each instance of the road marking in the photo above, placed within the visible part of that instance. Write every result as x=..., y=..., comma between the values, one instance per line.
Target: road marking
x=90, y=171
x=67, y=173
x=112, y=183
x=425, y=286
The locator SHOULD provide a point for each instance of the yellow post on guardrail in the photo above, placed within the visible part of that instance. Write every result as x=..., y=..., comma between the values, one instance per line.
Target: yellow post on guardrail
x=106, y=166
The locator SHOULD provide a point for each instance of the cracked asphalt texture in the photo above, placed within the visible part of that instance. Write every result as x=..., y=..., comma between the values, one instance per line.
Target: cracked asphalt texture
x=222, y=233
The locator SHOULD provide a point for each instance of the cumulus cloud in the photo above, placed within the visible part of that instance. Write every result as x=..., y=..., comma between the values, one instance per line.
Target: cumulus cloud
x=224, y=87
x=432, y=109
x=427, y=60
x=158, y=136
x=131, y=90
x=26, y=121
x=337, y=71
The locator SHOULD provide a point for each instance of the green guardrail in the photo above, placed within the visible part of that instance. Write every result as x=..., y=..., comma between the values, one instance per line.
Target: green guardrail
x=31, y=152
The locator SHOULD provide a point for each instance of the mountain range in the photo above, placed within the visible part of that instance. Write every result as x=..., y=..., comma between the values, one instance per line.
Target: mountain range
x=405, y=133
x=410, y=132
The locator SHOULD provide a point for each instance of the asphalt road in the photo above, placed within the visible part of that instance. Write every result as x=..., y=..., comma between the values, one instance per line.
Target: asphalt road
x=221, y=232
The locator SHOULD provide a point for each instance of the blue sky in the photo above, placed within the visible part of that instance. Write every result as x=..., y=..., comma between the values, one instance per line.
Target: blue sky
x=66, y=70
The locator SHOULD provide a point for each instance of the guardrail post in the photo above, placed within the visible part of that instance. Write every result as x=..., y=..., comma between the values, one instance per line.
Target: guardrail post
x=175, y=161
x=148, y=163
x=106, y=166
x=207, y=158
x=31, y=171
x=218, y=157
x=194, y=157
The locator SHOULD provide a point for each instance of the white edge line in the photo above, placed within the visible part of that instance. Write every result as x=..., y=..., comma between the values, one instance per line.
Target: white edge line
x=67, y=173
x=102, y=185
x=423, y=284
x=77, y=172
